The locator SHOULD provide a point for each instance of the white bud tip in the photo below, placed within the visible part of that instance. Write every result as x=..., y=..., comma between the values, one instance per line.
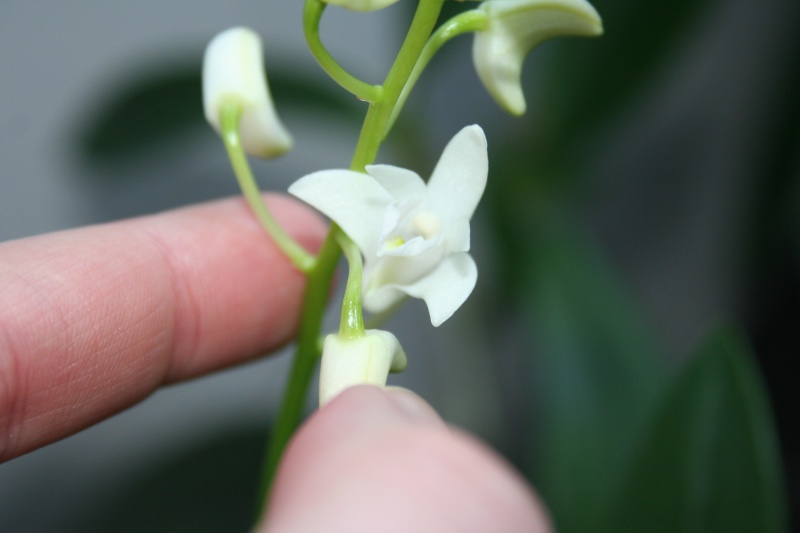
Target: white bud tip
x=233, y=72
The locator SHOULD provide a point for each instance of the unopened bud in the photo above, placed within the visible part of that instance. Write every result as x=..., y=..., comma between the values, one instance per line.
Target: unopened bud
x=233, y=73
x=357, y=361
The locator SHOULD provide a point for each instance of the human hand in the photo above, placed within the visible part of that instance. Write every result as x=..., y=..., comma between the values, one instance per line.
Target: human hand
x=381, y=460
x=95, y=319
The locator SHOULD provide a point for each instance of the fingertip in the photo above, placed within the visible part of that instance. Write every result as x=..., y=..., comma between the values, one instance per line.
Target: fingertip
x=368, y=406
x=376, y=460
x=413, y=406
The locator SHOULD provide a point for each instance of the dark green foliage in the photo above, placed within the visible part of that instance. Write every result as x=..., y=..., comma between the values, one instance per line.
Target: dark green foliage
x=156, y=109
x=597, y=374
x=209, y=487
x=709, y=462
x=588, y=79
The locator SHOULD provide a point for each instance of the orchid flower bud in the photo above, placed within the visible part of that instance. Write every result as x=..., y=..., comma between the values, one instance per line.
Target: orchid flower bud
x=364, y=360
x=233, y=73
x=361, y=5
x=514, y=28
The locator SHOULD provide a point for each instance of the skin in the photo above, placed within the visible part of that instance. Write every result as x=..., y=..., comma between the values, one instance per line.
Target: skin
x=93, y=320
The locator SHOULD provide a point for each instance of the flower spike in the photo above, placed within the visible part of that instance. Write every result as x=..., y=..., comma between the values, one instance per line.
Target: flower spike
x=514, y=28
x=414, y=236
x=233, y=74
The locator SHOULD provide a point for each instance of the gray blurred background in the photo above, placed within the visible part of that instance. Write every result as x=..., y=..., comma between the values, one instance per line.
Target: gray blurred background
x=668, y=190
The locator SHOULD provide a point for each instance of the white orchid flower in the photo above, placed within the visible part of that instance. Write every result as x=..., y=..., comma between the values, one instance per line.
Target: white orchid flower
x=366, y=360
x=514, y=28
x=233, y=72
x=414, y=237
x=361, y=5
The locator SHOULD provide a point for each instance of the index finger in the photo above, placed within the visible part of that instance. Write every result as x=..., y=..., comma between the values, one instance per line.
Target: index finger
x=95, y=319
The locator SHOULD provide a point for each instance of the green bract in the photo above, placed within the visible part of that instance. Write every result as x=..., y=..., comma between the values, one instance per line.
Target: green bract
x=514, y=28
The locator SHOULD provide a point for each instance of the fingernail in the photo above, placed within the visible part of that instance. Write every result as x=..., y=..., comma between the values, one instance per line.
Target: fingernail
x=413, y=406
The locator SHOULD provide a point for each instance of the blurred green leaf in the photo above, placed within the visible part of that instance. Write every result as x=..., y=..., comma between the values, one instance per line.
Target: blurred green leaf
x=598, y=373
x=776, y=182
x=164, y=105
x=147, y=112
x=582, y=82
x=711, y=461
x=210, y=487
x=587, y=79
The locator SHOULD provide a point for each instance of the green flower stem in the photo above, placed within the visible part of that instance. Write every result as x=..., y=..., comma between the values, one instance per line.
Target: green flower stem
x=352, y=323
x=375, y=125
x=467, y=22
x=321, y=271
x=229, y=119
x=307, y=354
x=312, y=14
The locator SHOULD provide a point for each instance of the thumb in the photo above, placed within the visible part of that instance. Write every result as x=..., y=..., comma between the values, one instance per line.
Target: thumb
x=382, y=460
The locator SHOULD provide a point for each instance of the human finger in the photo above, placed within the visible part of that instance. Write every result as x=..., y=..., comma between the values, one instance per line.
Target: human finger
x=373, y=460
x=93, y=320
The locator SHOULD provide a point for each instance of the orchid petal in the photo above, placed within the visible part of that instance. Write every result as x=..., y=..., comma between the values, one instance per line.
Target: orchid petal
x=457, y=235
x=354, y=201
x=399, y=270
x=444, y=289
x=402, y=184
x=413, y=248
x=382, y=298
x=459, y=179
